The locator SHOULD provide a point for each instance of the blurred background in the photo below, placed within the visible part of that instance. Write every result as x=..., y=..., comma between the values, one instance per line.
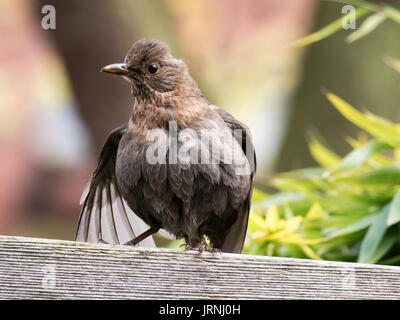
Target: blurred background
x=57, y=109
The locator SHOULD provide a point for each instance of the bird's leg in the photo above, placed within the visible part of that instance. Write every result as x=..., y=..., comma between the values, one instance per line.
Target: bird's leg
x=101, y=239
x=141, y=237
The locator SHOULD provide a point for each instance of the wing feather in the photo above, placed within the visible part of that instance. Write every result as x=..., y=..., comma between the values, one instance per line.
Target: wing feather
x=105, y=215
x=234, y=240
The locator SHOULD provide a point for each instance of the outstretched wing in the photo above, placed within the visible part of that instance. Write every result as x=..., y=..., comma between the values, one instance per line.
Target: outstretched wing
x=105, y=215
x=235, y=239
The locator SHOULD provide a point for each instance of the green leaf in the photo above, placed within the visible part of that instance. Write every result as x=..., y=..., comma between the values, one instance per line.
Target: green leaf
x=322, y=155
x=311, y=224
x=369, y=25
x=386, y=244
x=376, y=159
x=278, y=199
x=376, y=126
x=391, y=261
x=374, y=236
x=315, y=212
x=369, y=198
x=384, y=175
x=394, y=211
x=357, y=226
x=288, y=212
x=392, y=13
x=358, y=156
x=327, y=30
x=309, y=252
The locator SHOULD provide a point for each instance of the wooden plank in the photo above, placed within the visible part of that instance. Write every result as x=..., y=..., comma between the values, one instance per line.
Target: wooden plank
x=56, y=269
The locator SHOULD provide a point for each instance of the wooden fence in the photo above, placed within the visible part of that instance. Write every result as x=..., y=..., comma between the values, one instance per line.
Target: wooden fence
x=33, y=268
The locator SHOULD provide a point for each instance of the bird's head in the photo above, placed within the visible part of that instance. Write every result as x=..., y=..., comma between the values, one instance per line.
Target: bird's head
x=151, y=69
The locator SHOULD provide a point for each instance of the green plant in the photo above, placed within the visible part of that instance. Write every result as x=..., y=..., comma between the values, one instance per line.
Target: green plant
x=347, y=209
x=375, y=14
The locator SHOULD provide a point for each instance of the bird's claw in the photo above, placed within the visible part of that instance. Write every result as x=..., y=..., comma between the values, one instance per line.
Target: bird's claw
x=201, y=247
x=215, y=250
x=102, y=241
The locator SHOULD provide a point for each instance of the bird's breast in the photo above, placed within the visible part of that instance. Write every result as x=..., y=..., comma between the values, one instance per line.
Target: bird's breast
x=171, y=175
x=173, y=153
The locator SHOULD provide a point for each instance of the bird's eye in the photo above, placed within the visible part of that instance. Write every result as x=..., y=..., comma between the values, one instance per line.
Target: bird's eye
x=152, y=68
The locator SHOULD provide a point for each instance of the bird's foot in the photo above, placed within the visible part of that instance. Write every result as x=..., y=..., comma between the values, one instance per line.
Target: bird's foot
x=102, y=241
x=201, y=247
x=214, y=250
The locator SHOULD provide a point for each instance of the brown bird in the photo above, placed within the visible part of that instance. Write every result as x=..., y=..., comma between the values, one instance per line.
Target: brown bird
x=180, y=163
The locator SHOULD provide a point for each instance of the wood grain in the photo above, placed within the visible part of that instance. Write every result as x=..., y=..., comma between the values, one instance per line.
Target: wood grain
x=33, y=268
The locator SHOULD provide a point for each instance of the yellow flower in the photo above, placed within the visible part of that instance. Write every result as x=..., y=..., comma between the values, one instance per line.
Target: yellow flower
x=272, y=229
